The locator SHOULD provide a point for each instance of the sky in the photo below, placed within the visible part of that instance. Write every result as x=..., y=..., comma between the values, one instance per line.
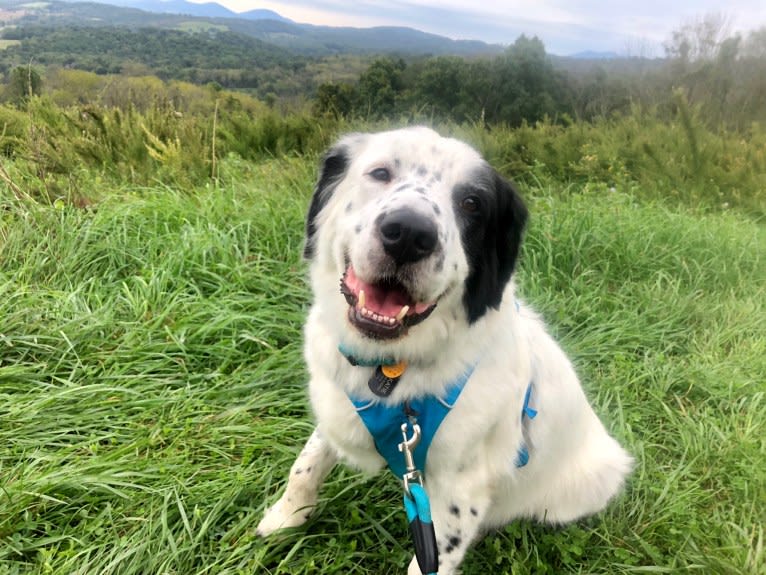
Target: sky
x=566, y=27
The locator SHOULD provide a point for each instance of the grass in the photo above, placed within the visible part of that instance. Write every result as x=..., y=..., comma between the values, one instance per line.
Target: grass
x=152, y=392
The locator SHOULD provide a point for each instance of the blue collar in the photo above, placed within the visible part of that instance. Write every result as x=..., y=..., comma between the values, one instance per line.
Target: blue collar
x=358, y=362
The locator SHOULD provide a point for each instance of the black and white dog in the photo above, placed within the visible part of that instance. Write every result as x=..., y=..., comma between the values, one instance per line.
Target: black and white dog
x=423, y=236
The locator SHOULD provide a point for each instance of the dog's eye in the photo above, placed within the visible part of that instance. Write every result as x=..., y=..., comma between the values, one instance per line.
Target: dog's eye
x=381, y=175
x=470, y=204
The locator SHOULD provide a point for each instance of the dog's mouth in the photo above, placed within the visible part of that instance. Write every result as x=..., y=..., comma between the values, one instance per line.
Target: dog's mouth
x=383, y=309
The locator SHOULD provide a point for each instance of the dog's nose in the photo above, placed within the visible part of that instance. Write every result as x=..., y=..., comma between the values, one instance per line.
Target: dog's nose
x=407, y=236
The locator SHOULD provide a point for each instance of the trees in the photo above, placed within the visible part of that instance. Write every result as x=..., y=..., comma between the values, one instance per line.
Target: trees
x=529, y=87
x=23, y=83
x=437, y=87
x=380, y=87
x=722, y=75
x=336, y=100
x=698, y=40
x=519, y=86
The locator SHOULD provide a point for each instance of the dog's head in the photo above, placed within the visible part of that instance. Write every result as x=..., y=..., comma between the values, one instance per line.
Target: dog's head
x=414, y=227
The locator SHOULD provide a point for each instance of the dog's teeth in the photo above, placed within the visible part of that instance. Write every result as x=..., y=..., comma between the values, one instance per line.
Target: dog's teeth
x=361, y=300
x=380, y=318
x=402, y=313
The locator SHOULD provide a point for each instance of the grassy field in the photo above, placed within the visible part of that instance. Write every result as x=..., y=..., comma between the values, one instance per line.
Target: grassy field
x=152, y=392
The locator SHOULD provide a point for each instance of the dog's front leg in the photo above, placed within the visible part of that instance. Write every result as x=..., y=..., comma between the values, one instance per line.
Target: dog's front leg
x=306, y=477
x=457, y=514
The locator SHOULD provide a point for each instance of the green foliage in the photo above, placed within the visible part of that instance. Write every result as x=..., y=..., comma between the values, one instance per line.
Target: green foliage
x=232, y=60
x=438, y=86
x=519, y=85
x=524, y=84
x=149, y=130
x=723, y=75
x=677, y=162
x=14, y=129
x=179, y=132
x=527, y=85
x=24, y=82
x=720, y=75
x=335, y=100
x=379, y=88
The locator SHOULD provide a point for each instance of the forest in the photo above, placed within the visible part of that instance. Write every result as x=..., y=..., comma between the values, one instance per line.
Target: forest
x=720, y=73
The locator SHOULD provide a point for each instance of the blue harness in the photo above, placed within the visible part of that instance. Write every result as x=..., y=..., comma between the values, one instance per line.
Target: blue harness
x=384, y=423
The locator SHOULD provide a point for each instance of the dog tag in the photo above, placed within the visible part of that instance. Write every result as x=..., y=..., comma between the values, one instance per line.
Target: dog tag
x=382, y=384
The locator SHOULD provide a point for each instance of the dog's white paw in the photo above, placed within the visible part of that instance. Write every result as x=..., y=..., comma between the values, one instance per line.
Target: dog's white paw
x=414, y=568
x=281, y=515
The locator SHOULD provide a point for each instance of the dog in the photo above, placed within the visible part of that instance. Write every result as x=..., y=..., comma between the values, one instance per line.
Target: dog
x=412, y=239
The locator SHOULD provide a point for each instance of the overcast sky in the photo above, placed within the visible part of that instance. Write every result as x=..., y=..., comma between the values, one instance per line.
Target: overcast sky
x=638, y=28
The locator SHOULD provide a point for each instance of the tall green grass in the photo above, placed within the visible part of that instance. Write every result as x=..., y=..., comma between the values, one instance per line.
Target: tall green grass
x=152, y=392
x=180, y=134
x=679, y=163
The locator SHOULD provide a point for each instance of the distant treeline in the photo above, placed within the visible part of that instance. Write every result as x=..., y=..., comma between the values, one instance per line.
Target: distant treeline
x=232, y=60
x=721, y=75
x=725, y=81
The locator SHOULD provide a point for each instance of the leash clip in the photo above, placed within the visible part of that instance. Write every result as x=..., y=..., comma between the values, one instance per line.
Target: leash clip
x=417, y=505
x=406, y=447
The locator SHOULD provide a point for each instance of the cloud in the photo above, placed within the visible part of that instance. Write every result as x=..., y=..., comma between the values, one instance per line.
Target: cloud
x=565, y=26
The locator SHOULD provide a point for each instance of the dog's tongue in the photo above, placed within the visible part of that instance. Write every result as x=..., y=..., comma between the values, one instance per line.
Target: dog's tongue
x=381, y=299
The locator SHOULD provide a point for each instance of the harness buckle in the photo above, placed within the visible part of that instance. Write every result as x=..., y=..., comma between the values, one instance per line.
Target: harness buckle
x=406, y=448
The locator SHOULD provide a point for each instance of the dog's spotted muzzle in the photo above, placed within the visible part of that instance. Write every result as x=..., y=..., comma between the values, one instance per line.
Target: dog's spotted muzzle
x=383, y=309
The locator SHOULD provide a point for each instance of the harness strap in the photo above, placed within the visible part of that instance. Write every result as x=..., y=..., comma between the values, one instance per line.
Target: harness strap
x=522, y=455
x=384, y=422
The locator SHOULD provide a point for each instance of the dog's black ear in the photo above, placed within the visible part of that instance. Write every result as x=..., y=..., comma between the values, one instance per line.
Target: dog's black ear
x=512, y=217
x=334, y=166
x=494, y=250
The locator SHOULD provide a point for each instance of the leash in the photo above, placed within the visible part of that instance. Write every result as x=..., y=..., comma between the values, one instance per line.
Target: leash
x=418, y=506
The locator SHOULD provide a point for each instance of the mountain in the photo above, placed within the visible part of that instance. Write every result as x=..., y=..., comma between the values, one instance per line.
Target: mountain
x=591, y=55
x=206, y=10
x=313, y=40
x=263, y=14
x=265, y=25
